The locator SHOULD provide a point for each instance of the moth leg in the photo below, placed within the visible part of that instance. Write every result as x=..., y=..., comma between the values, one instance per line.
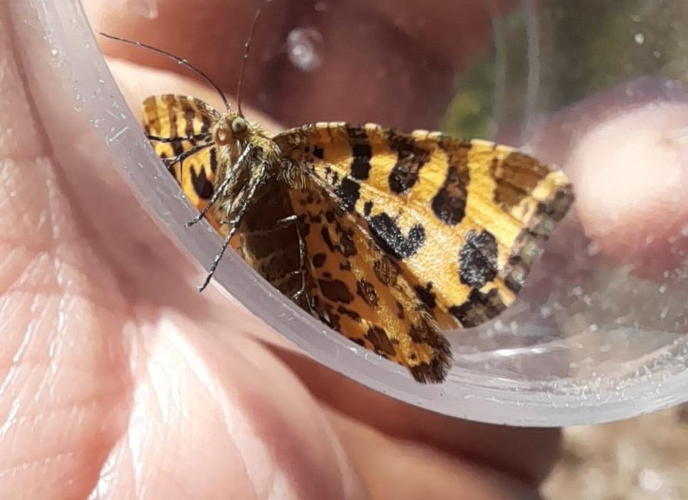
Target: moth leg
x=301, y=271
x=233, y=225
x=302, y=268
x=218, y=257
x=190, y=138
x=279, y=224
x=183, y=156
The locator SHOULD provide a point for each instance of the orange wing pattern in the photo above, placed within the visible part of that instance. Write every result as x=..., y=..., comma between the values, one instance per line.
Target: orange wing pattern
x=460, y=221
x=359, y=291
x=179, y=128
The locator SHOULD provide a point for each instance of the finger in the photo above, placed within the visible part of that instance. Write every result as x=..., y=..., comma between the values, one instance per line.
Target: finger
x=626, y=154
x=215, y=416
x=409, y=470
x=527, y=454
x=63, y=372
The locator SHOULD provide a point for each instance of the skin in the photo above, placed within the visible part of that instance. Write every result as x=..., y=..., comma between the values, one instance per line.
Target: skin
x=119, y=380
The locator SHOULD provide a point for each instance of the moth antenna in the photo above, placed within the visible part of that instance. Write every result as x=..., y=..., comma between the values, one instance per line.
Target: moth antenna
x=177, y=59
x=247, y=47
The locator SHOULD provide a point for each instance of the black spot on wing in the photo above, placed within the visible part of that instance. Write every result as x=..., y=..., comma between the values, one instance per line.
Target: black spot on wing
x=410, y=160
x=433, y=372
x=478, y=259
x=360, y=165
x=190, y=118
x=559, y=206
x=178, y=147
x=318, y=152
x=335, y=290
x=436, y=370
x=205, y=123
x=367, y=208
x=350, y=313
x=387, y=234
x=347, y=247
x=366, y=291
x=348, y=191
x=304, y=226
x=518, y=270
x=424, y=333
x=335, y=320
x=202, y=187
x=360, y=342
x=426, y=295
x=356, y=134
x=378, y=338
x=325, y=234
x=174, y=119
x=479, y=307
x=319, y=259
x=213, y=160
x=449, y=204
x=401, y=313
x=386, y=271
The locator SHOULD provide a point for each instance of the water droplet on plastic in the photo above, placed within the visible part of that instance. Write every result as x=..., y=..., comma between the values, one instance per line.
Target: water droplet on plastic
x=304, y=48
x=545, y=311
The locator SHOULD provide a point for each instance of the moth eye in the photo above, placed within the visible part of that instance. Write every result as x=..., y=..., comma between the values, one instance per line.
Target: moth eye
x=239, y=125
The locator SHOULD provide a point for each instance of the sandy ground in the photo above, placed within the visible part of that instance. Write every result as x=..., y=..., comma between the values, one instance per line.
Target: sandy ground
x=643, y=458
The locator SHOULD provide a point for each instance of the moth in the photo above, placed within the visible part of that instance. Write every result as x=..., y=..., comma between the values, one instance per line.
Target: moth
x=387, y=237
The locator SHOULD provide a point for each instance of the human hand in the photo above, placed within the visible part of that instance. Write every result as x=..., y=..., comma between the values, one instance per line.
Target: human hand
x=121, y=380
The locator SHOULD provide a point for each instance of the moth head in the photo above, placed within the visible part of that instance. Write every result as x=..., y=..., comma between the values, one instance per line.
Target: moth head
x=232, y=128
